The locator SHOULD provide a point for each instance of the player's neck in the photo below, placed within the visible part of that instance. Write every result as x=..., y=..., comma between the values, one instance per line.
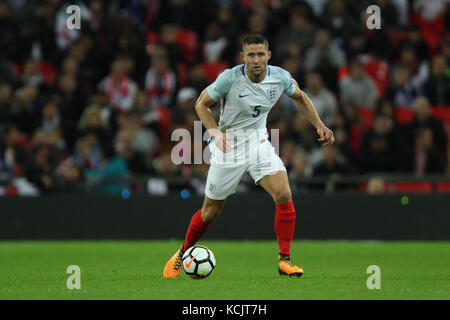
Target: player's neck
x=256, y=78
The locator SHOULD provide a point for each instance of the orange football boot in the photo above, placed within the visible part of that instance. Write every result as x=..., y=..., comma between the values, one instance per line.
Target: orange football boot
x=174, y=265
x=287, y=268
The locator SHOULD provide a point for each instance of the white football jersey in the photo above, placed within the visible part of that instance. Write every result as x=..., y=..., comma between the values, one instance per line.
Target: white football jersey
x=245, y=104
x=243, y=112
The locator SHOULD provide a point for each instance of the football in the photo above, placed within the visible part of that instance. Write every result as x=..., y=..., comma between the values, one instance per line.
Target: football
x=198, y=262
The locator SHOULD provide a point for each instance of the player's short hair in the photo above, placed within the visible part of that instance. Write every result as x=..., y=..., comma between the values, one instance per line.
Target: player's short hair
x=255, y=38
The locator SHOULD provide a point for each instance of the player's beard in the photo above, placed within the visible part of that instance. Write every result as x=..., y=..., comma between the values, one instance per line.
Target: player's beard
x=258, y=73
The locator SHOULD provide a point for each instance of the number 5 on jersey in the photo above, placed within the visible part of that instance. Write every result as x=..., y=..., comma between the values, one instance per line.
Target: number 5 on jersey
x=256, y=111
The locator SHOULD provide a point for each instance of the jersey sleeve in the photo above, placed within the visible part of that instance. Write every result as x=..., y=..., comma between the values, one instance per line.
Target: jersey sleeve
x=221, y=86
x=288, y=83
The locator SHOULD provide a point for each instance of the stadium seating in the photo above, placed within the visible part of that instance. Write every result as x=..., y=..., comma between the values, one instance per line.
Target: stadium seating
x=213, y=69
x=413, y=187
x=48, y=72
x=442, y=113
x=378, y=71
x=404, y=115
x=431, y=30
x=443, y=187
x=188, y=41
x=182, y=74
x=367, y=115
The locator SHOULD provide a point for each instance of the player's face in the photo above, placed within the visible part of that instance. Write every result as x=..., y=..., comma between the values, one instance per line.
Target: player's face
x=256, y=57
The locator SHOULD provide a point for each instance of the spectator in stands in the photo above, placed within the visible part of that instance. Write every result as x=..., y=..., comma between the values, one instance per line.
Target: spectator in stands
x=376, y=156
x=229, y=26
x=326, y=58
x=437, y=87
x=356, y=45
x=423, y=157
x=52, y=138
x=180, y=12
x=415, y=41
x=169, y=39
x=376, y=185
x=257, y=23
x=164, y=166
x=379, y=147
x=423, y=119
x=91, y=122
x=445, y=49
x=70, y=103
x=419, y=70
x=50, y=117
x=150, y=117
x=342, y=135
x=88, y=152
x=300, y=31
x=119, y=87
x=287, y=151
x=324, y=52
x=186, y=99
x=71, y=174
x=322, y=98
x=332, y=162
x=24, y=108
x=292, y=64
x=341, y=24
x=6, y=72
x=70, y=66
x=355, y=127
x=197, y=78
x=402, y=92
x=125, y=148
x=358, y=89
x=215, y=43
x=378, y=41
x=13, y=156
x=300, y=166
x=6, y=92
x=304, y=135
x=160, y=82
x=110, y=177
x=31, y=74
x=386, y=107
x=94, y=98
x=42, y=169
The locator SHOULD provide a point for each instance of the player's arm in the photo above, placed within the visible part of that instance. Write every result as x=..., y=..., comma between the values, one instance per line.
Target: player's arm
x=304, y=105
x=204, y=102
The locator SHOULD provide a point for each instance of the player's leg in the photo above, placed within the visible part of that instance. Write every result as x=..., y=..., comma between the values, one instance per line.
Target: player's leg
x=198, y=225
x=201, y=220
x=221, y=182
x=277, y=185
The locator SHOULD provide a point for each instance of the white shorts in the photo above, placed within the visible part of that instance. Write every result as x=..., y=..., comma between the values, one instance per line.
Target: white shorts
x=224, y=176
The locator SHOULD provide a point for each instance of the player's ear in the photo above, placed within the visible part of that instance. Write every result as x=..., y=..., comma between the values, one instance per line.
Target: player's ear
x=242, y=55
x=269, y=54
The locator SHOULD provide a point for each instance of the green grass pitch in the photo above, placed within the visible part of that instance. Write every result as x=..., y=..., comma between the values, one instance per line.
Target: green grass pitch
x=245, y=270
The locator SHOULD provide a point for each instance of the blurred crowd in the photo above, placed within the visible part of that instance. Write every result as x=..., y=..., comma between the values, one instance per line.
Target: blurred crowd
x=78, y=106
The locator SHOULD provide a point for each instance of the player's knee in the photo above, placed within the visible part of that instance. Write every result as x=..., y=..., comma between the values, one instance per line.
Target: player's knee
x=283, y=195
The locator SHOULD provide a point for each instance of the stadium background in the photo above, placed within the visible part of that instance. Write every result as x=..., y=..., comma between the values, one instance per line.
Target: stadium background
x=89, y=112
x=85, y=123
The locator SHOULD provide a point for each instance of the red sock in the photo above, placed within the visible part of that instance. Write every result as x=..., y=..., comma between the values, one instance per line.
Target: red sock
x=285, y=225
x=195, y=231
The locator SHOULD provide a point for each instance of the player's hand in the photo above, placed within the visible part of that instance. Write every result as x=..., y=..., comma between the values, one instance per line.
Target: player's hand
x=326, y=136
x=220, y=139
